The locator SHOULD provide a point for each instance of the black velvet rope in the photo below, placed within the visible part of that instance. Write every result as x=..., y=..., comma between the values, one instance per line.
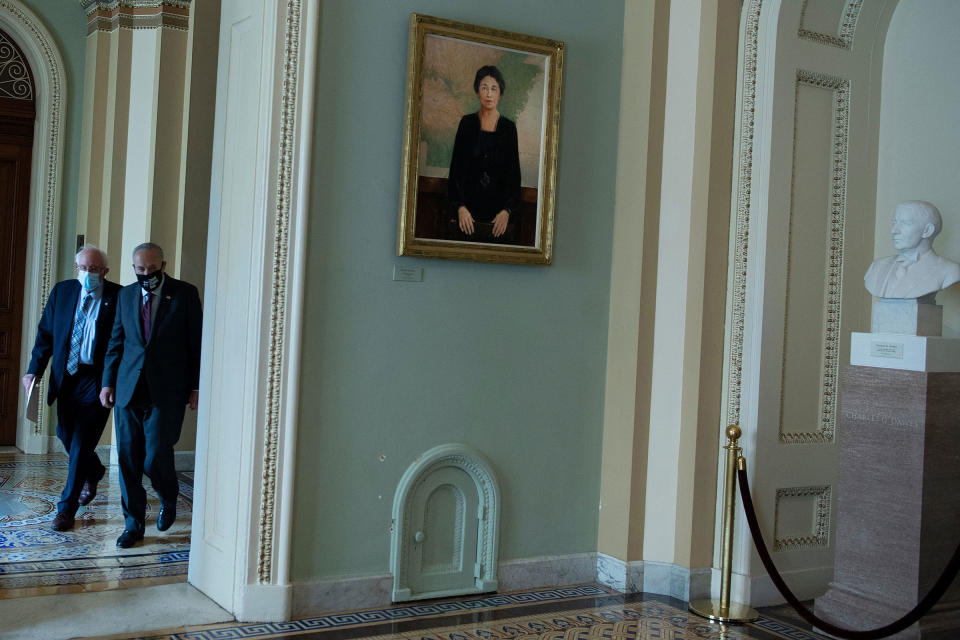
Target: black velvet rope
x=936, y=592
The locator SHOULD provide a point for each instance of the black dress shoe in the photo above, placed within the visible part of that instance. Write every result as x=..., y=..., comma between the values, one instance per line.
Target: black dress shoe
x=63, y=522
x=168, y=513
x=89, y=491
x=129, y=538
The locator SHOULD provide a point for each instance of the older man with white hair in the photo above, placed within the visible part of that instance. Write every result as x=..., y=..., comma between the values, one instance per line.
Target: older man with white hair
x=916, y=271
x=72, y=337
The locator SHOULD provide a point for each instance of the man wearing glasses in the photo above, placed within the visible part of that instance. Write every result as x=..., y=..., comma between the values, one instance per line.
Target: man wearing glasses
x=74, y=331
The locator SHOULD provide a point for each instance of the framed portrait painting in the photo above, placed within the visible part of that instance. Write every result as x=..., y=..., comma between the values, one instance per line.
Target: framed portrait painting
x=479, y=143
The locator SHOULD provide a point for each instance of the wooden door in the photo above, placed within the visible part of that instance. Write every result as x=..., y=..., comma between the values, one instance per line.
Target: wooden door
x=15, y=154
x=17, y=113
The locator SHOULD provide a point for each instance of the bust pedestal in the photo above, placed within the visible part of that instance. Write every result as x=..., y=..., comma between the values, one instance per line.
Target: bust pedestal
x=906, y=315
x=898, y=499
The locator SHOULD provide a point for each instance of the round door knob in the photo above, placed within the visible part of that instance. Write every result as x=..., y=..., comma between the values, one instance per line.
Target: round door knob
x=418, y=537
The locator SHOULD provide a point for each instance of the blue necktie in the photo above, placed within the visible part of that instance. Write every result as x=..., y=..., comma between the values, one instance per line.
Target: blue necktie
x=76, y=337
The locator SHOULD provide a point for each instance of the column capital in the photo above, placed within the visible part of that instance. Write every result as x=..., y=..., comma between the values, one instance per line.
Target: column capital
x=110, y=15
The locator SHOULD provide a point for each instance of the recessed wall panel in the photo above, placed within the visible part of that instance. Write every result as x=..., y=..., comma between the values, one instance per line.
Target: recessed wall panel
x=814, y=260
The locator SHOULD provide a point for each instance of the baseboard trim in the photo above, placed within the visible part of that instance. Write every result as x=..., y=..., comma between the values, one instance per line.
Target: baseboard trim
x=321, y=597
x=539, y=571
x=263, y=603
x=107, y=454
x=626, y=577
x=759, y=591
x=182, y=460
x=38, y=443
x=675, y=581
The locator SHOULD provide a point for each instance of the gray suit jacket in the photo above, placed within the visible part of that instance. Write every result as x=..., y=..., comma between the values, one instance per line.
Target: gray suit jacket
x=170, y=360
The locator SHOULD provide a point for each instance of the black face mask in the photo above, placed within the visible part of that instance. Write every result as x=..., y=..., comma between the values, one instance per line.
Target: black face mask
x=150, y=281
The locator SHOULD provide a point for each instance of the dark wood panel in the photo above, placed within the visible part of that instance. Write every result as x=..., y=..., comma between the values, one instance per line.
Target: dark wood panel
x=9, y=223
x=15, y=156
x=5, y=394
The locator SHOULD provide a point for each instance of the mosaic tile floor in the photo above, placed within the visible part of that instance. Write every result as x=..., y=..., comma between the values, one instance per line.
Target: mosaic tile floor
x=556, y=614
x=33, y=555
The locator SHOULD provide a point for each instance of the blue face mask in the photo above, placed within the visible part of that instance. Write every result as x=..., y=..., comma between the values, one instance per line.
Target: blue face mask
x=88, y=280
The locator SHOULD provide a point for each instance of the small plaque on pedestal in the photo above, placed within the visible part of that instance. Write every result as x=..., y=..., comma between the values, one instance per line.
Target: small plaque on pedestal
x=899, y=351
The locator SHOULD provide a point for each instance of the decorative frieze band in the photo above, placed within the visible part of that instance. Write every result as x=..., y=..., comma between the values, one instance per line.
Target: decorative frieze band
x=110, y=15
x=278, y=303
x=741, y=216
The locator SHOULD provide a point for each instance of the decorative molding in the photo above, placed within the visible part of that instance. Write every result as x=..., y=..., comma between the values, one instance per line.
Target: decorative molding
x=847, y=28
x=110, y=15
x=278, y=302
x=15, y=80
x=46, y=64
x=833, y=285
x=474, y=465
x=740, y=223
x=820, y=534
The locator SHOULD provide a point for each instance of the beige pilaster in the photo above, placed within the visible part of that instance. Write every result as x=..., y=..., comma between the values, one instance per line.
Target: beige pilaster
x=665, y=337
x=136, y=73
x=633, y=282
x=687, y=345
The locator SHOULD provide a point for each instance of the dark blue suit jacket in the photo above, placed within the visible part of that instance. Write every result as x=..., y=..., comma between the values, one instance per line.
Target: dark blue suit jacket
x=56, y=326
x=170, y=360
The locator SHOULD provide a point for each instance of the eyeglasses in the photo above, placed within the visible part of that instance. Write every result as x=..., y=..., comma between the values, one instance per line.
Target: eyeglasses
x=100, y=270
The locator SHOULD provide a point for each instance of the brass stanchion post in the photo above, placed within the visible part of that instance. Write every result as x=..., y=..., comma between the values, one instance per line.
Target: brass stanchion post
x=723, y=610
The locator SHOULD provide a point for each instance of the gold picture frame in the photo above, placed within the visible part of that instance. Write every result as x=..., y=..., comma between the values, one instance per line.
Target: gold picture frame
x=443, y=133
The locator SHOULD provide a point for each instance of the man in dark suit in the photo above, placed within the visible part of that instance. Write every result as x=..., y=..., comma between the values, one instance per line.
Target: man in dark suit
x=151, y=372
x=74, y=330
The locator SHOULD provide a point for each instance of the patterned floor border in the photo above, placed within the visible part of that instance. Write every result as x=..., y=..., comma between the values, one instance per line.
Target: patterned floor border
x=613, y=616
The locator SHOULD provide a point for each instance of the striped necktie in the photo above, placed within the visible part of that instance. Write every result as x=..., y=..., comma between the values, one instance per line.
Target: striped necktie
x=76, y=336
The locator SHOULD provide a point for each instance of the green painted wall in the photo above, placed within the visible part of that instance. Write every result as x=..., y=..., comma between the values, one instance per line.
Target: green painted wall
x=67, y=24
x=507, y=359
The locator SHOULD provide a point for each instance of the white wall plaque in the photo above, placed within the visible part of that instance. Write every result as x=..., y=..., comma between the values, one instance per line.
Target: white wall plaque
x=910, y=353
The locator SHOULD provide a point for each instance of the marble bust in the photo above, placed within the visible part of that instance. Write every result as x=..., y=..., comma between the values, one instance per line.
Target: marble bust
x=916, y=271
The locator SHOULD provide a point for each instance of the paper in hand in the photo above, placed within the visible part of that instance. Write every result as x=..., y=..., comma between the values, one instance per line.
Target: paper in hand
x=33, y=402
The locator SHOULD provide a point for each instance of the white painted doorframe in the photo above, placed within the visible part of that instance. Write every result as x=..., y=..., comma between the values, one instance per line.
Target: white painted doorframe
x=243, y=516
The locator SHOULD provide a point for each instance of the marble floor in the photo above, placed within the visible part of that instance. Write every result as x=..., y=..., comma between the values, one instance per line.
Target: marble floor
x=36, y=560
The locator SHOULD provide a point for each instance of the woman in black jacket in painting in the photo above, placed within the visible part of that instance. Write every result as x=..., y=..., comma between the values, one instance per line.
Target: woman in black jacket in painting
x=484, y=182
